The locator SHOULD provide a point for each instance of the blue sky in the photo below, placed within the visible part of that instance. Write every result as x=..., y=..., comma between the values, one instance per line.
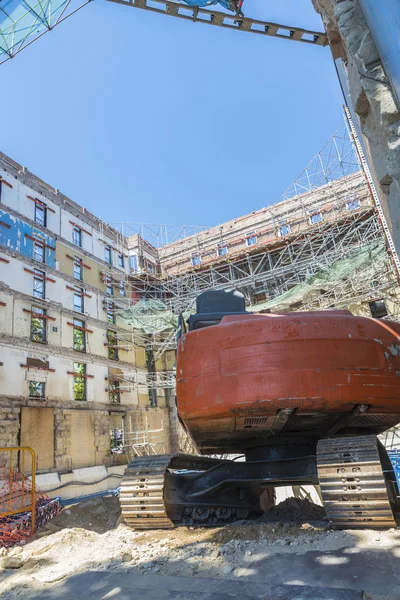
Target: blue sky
x=145, y=118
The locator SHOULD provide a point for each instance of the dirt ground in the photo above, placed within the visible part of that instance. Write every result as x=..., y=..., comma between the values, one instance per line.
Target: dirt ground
x=91, y=537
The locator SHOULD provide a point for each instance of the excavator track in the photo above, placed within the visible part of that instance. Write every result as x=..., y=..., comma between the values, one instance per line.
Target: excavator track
x=146, y=488
x=353, y=484
x=142, y=493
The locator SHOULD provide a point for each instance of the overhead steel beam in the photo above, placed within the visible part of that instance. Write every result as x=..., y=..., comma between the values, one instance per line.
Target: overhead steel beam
x=220, y=19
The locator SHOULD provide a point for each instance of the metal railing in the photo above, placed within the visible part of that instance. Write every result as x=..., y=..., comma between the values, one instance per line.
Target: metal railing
x=17, y=487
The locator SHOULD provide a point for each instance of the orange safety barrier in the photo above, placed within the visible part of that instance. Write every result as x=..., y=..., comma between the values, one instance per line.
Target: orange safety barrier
x=22, y=506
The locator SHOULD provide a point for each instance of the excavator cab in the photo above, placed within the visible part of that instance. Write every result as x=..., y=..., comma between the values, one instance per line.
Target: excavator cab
x=211, y=306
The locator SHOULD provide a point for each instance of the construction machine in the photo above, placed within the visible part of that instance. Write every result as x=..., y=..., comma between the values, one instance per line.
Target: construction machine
x=298, y=397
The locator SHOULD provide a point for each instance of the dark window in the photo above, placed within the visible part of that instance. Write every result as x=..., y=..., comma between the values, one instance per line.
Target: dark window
x=115, y=392
x=77, y=236
x=112, y=343
x=251, y=238
x=39, y=284
x=38, y=325
x=78, y=299
x=108, y=254
x=378, y=309
x=196, y=259
x=79, y=336
x=284, y=229
x=37, y=389
x=39, y=252
x=79, y=381
x=222, y=249
x=110, y=312
x=40, y=214
x=121, y=262
x=78, y=268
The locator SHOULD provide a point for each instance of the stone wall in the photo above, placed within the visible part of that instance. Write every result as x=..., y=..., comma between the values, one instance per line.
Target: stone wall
x=372, y=97
x=62, y=439
x=102, y=438
x=9, y=432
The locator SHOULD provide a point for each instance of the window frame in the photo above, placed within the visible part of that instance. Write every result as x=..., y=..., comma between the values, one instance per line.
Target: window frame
x=77, y=235
x=39, y=276
x=110, y=310
x=114, y=391
x=112, y=351
x=251, y=235
x=353, y=203
x=38, y=247
x=196, y=259
x=40, y=207
x=120, y=260
x=79, y=329
x=77, y=262
x=220, y=247
x=80, y=378
x=42, y=395
x=320, y=219
x=40, y=316
x=286, y=226
x=78, y=292
x=108, y=254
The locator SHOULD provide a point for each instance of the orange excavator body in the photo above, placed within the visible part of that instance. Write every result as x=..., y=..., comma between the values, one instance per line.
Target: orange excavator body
x=279, y=378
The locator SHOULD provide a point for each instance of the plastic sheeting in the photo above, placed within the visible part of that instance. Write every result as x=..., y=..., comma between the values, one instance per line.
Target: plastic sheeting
x=360, y=262
x=150, y=316
x=204, y=3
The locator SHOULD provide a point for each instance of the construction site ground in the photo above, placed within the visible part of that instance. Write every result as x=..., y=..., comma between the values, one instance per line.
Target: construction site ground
x=88, y=552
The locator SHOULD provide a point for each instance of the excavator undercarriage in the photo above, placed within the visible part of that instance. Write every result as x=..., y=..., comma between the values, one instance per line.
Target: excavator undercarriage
x=357, y=482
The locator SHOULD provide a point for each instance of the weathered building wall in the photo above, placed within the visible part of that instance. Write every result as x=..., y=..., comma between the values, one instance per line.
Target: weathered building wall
x=371, y=96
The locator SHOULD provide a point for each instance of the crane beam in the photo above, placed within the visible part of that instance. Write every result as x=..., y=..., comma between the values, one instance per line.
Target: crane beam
x=220, y=19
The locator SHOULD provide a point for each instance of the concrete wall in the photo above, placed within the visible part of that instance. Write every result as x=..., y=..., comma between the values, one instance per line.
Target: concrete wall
x=371, y=95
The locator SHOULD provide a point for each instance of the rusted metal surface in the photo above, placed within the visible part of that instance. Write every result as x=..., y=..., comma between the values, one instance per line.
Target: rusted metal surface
x=303, y=373
x=353, y=486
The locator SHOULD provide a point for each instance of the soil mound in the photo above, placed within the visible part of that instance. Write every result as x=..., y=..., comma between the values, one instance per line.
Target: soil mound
x=97, y=514
x=294, y=510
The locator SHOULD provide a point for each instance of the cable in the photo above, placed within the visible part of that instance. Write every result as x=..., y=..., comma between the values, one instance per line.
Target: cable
x=84, y=482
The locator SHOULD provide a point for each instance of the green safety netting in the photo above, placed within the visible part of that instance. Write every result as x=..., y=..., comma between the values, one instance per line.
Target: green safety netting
x=150, y=316
x=364, y=262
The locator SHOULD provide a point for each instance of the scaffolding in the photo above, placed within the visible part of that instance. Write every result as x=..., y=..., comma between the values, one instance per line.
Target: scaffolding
x=330, y=215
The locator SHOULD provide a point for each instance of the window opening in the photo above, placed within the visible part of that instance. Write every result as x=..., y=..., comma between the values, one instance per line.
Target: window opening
x=78, y=299
x=222, y=249
x=78, y=268
x=115, y=392
x=251, y=238
x=121, y=262
x=196, y=259
x=80, y=381
x=77, y=236
x=79, y=335
x=39, y=284
x=37, y=389
x=108, y=254
x=284, y=229
x=38, y=325
x=40, y=214
x=39, y=252
x=112, y=343
x=378, y=309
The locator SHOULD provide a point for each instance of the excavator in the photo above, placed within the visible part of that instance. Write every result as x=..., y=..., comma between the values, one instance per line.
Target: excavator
x=297, y=398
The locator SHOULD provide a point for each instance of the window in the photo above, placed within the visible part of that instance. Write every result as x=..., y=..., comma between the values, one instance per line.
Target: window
x=251, y=238
x=108, y=254
x=78, y=268
x=222, y=249
x=378, y=309
x=353, y=203
x=36, y=389
x=77, y=236
x=316, y=218
x=78, y=299
x=122, y=291
x=115, y=393
x=39, y=252
x=38, y=325
x=121, y=262
x=39, y=284
x=79, y=335
x=284, y=229
x=110, y=308
x=112, y=343
x=40, y=214
x=79, y=381
x=109, y=286
x=196, y=258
